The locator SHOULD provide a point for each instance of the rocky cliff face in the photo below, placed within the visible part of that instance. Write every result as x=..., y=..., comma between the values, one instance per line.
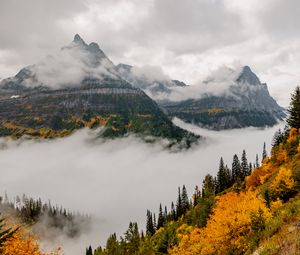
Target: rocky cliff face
x=79, y=87
x=245, y=102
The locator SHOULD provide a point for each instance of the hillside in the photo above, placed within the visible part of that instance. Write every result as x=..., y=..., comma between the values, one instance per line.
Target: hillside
x=246, y=209
x=79, y=87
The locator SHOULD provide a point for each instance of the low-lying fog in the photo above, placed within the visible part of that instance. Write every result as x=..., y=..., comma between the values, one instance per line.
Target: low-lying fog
x=117, y=181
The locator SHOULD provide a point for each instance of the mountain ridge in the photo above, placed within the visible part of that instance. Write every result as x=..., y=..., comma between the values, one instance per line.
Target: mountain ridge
x=97, y=96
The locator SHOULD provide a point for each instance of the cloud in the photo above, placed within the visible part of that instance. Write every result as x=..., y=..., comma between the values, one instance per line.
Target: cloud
x=116, y=181
x=69, y=67
x=187, y=39
x=150, y=73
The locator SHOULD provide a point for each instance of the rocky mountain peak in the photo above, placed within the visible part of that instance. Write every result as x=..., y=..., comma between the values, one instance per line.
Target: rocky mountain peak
x=78, y=40
x=247, y=76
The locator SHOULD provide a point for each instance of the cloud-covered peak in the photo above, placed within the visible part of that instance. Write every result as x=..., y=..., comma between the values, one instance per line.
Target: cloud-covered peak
x=247, y=76
x=78, y=40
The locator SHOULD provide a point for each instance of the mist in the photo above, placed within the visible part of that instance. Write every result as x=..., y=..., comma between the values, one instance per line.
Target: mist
x=116, y=181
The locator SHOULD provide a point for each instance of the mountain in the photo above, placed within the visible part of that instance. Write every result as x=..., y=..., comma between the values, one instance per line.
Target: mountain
x=150, y=81
x=233, y=99
x=79, y=87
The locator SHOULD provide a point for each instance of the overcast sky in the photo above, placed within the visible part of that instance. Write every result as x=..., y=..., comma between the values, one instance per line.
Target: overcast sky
x=186, y=38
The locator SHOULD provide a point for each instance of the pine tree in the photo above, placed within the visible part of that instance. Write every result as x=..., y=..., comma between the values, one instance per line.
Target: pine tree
x=165, y=215
x=132, y=238
x=179, y=205
x=256, y=161
x=244, y=166
x=196, y=196
x=208, y=186
x=264, y=153
x=173, y=212
x=89, y=251
x=294, y=110
x=221, y=177
x=154, y=222
x=160, y=220
x=184, y=200
x=250, y=168
x=150, y=230
x=236, y=169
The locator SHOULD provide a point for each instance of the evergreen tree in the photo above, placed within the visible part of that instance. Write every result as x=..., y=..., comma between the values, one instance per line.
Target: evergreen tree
x=264, y=153
x=236, y=169
x=208, y=186
x=277, y=138
x=160, y=220
x=165, y=215
x=221, y=178
x=184, y=200
x=112, y=245
x=294, y=110
x=154, y=222
x=267, y=198
x=250, y=168
x=244, y=166
x=179, y=205
x=173, y=212
x=256, y=161
x=150, y=230
x=132, y=238
x=89, y=251
x=196, y=196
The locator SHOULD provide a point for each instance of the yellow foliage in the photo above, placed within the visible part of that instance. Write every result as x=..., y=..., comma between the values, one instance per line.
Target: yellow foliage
x=283, y=180
x=228, y=226
x=259, y=176
x=275, y=205
x=23, y=245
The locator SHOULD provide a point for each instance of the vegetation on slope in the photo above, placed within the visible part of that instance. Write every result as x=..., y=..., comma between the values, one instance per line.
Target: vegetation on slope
x=241, y=211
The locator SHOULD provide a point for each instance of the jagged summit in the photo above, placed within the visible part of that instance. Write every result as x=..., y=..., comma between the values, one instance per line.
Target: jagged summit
x=247, y=76
x=78, y=40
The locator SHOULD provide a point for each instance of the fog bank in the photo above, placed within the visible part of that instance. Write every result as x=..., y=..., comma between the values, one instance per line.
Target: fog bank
x=118, y=180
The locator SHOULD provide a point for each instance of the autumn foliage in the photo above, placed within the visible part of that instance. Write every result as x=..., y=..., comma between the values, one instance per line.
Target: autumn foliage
x=23, y=243
x=227, y=228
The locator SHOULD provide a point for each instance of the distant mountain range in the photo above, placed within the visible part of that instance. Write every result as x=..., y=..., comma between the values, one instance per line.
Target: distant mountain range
x=80, y=87
x=229, y=98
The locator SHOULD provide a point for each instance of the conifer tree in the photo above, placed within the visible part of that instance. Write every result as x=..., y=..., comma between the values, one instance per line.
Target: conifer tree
x=244, y=165
x=165, y=215
x=264, y=153
x=294, y=110
x=179, y=205
x=250, y=168
x=154, y=222
x=173, y=212
x=89, y=251
x=132, y=238
x=150, y=230
x=184, y=200
x=236, y=169
x=256, y=161
x=196, y=196
x=208, y=186
x=221, y=177
x=160, y=220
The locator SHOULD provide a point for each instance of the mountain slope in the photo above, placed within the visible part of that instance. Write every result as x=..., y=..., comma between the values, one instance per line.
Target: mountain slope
x=237, y=99
x=153, y=81
x=79, y=87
